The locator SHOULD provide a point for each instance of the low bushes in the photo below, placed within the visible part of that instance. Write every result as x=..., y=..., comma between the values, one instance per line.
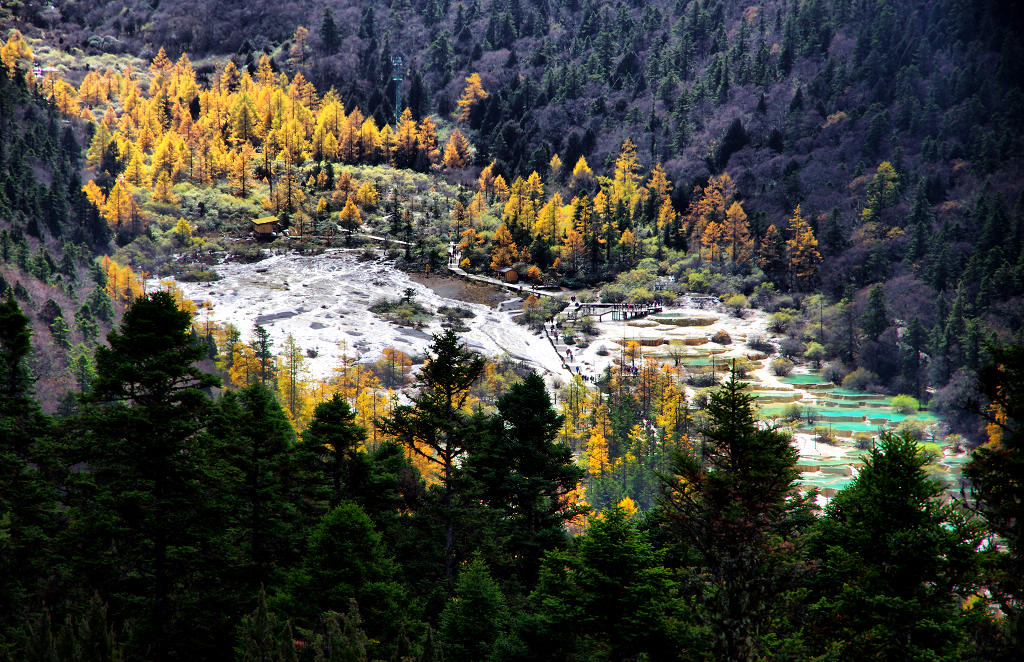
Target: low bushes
x=905, y=404
x=404, y=312
x=199, y=276
x=860, y=380
x=760, y=343
x=781, y=366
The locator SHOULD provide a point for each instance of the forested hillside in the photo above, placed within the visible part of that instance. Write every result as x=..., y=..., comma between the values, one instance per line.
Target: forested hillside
x=892, y=126
x=49, y=233
x=159, y=523
x=851, y=168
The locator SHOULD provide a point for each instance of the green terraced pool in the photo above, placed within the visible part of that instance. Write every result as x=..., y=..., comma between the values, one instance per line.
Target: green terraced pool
x=848, y=393
x=804, y=378
x=824, y=482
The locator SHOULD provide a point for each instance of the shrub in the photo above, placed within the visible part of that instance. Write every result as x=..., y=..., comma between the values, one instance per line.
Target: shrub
x=721, y=337
x=860, y=379
x=761, y=344
x=791, y=347
x=199, y=276
x=915, y=428
x=535, y=316
x=613, y=293
x=404, y=312
x=640, y=295
x=456, y=311
x=453, y=317
x=781, y=366
x=905, y=404
x=246, y=252
x=736, y=303
x=586, y=325
x=815, y=353
x=834, y=372
x=702, y=380
x=863, y=440
x=698, y=281
x=824, y=435
x=792, y=412
x=763, y=294
x=779, y=322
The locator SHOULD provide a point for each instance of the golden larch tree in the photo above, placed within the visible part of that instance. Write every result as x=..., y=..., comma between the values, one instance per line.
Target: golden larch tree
x=426, y=141
x=94, y=194
x=136, y=171
x=118, y=207
x=471, y=95
x=772, y=258
x=667, y=216
x=624, y=182
x=243, y=164
x=597, y=453
x=710, y=203
x=349, y=217
x=582, y=175
x=293, y=384
x=659, y=184
x=16, y=52
x=630, y=246
x=572, y=251
x=738, y=245
x=163, y=189
x=456, y=152
x=406, y=140
x=711, y=241
x=549, y=219
x=555, y=168
x=802, y=249
x=503, y=249
x=500, y=188
x=485, y=182
x=628, y=506
x=369, y=140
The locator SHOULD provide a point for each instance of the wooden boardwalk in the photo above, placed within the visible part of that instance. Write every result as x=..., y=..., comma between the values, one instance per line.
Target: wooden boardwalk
x=574, y=311
x=616, y=311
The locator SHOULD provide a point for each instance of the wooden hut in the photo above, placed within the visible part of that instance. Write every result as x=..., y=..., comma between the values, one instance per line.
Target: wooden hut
x=509, y=275
x=264, y=227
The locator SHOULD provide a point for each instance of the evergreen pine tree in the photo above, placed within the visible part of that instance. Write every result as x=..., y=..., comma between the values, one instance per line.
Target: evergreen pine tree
x=894, y=564
x=731, y=502
x=435, y=425
x=996, y=472
x=524, y=475
x=138, y=509
x=475, y=616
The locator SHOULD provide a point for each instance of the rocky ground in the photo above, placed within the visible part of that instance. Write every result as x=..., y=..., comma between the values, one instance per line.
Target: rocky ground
x=323, y=301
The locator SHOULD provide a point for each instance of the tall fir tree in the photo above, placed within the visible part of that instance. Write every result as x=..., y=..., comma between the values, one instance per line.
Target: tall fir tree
x=436, y=426
x=138, y=509
x=895, y=564
x=733, y=502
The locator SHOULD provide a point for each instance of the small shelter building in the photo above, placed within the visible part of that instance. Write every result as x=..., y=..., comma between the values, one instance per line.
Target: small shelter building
x=264, y=227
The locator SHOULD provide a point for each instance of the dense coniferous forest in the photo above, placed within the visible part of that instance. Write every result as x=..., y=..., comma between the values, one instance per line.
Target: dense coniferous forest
x=170, y=490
